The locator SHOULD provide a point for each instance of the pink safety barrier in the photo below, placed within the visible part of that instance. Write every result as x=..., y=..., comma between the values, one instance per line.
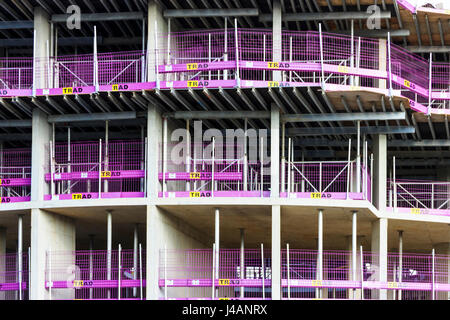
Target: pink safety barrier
x=419, y=197
x=189, y=274
x=15, y=175
x=119, y=167
x=14, y=280
x=96, y=275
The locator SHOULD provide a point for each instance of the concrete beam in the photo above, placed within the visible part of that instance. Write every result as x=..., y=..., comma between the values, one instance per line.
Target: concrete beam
x=361, y=116
x=325, y=16
x=381, y=33
x=197, y=13
x=95, y=17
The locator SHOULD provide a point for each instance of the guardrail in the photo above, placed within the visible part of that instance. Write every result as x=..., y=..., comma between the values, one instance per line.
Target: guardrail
x=14, y=276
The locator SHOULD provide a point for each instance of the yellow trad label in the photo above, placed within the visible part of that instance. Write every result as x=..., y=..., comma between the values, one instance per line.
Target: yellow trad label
x=106, y=174
x=192, y=84
x=77, y=283
x=115, y=87
x=316, y=195
x=77, y=196
x=273, y=65
x=67, y=90
x=342, y=69
x=415, y=210
x=194, y=194
x=192, y=66
x=194, y=175
x=407, y=83
x=316, y=283
x=224, y=298
x=273, y=84
x=392, y=285
x=224, y=282
x=1, y=182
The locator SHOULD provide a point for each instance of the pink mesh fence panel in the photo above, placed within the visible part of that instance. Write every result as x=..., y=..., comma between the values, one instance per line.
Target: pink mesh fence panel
x=11, y=276
x=94, y=275
x=16, y=73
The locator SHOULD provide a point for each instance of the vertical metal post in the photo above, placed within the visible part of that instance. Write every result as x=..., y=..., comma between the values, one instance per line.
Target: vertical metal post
x=319, y=275
x=119, y=271
x=400, y=261
x=236, y=44
x=263, y=273
x=188, y=154
x=135, y=255
x=164, y=156
x=143, y=60
x=390, y=65
x=354, y=248
x=321, y=56
x=165, y=272
x=20, y=251
x=264, y=56
x=349, y=166
x=246, y=156
x=283, y=156
x=50, y=283
x=52, y=171
x=106, y=184
x=430, y=85
x=352, y=52
x=225, y=55
x=169, y=31
x=69, y=159
x=395, y=186
x=433, y=256
x=358, y=158
x=146, y=167
x=262, y=167
x=290, y=57
x=242, y=266
x=289, y=169
x=209, y=55
x=288, y=272
x=371, y=177
x=212, y=165
x=217, y=243
x=140, y=273
x=109, y=247
x=48, y=65
x=91, y=267
x=96, y=80
x=158, y=85
x=362, y=271
x=35, y=65
x=213, y=294
x=100, y=170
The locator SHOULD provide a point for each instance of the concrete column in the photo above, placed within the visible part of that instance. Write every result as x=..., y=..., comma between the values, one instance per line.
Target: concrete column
x=382, y=58
x=154, y=239
x=379, y=250
x=43, y=36
x=276, y=253
x=41, y=136
x=275, y=152
x=380, y=172
x=51, y=232
x=276, y=37
x=154, y=140
x=2, y=259
x=155, y=14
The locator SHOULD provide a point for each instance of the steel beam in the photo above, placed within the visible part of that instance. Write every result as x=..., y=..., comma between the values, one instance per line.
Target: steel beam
x=348, y=130
x=92, y=117
x=95, y=17
x=362, y=116
x=325, y=16
x=9, y=25
x=219, y=115
x=197, y=13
